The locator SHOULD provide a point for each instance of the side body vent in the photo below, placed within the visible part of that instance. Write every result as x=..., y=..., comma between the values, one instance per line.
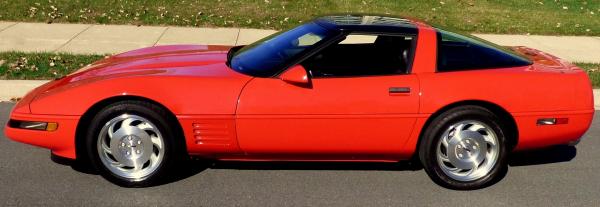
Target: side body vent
x=209, y=134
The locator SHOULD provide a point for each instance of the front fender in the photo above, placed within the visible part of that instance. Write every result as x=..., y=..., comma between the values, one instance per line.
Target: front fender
x=179, y=94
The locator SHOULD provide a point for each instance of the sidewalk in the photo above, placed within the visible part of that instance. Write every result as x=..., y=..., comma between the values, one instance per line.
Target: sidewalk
x=103, y=39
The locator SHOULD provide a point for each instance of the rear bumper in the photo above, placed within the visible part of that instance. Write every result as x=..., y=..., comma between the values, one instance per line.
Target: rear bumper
x=61, y=141
x=532, y=135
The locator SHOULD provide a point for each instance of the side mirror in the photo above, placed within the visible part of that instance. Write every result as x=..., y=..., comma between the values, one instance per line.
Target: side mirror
x=296, y=75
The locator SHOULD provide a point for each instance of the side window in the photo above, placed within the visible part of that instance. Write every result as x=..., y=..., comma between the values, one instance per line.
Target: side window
x=457, y=52
x=363, y=55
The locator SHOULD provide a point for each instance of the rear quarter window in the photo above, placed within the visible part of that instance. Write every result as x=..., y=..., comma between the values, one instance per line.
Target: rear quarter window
x=457, y=52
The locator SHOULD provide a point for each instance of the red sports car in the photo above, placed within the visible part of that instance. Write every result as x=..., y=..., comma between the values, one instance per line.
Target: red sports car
x=338, y=88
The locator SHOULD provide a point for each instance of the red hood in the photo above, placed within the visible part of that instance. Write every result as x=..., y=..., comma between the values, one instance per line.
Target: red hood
x=167, y=63
x=171, y=59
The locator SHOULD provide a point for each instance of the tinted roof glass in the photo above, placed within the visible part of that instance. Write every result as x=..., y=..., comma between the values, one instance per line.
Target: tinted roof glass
x=368, y=24
x=460, y=52
x=366, y=20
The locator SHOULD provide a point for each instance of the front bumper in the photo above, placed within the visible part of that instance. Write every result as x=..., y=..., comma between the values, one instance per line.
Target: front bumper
x=61, y=141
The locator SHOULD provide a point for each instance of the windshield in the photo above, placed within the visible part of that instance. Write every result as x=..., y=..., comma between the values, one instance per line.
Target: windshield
x=268, y=56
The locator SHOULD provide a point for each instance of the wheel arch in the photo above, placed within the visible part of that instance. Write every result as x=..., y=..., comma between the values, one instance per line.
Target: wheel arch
x=507, y=119
x=89, y=114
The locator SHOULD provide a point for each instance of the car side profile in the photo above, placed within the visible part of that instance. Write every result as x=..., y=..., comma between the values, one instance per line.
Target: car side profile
x=338, y=88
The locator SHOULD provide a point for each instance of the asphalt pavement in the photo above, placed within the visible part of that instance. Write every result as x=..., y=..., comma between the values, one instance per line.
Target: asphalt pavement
x=559, y=176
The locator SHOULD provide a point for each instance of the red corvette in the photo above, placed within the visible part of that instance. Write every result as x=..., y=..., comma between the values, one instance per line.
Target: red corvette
x=339, y=88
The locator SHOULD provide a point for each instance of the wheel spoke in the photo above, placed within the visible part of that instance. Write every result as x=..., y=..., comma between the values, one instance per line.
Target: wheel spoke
x=445, y=141
x=139, y=138
x=127, y=122
x=490, y=140
x=451, y=169
x=460, y=127
x=116, y=164
x=445, y=159
x=467, y=150
x=153, y=158
x=157, y=142
x=145, y=126
x=111, y=131
x=474, y=168
x=458, y=133
x=106, y=148
x=137, y=167
x=476, y=127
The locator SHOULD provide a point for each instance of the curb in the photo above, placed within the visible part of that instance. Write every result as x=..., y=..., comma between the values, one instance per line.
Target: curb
x=13, y=89
x=597, y=99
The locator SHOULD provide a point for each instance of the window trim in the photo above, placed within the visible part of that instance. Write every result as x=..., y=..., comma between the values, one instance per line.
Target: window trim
x=337, y=39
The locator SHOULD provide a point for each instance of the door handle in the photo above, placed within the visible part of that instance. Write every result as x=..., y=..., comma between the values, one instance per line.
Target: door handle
x=399, y=90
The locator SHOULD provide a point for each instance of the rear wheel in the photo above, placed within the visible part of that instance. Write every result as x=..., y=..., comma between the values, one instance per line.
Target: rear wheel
x=131, y=143
x=464, y=148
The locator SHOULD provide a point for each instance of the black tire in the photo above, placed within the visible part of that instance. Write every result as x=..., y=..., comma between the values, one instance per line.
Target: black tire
x=433, y=134
x=173, y=152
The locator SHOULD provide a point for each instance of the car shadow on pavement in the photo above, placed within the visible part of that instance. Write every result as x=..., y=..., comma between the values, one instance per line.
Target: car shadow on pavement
x=182, y=170
x=549, y=155
x=192, y=167
x=300, y=165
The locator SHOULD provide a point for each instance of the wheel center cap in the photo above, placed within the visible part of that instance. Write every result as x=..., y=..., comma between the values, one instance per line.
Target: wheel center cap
x=131, y=146
x=465, y=150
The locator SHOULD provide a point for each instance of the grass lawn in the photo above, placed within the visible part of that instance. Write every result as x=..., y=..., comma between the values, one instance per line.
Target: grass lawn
x=593, y=72
x=565, y=17
x=41, y=66
x=34, y=66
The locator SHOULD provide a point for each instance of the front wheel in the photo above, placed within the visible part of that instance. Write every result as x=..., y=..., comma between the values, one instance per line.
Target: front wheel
x=464, y=148
x=131, y=143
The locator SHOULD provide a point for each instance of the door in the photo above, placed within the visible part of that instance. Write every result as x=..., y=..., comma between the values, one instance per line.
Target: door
x=369, y=111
